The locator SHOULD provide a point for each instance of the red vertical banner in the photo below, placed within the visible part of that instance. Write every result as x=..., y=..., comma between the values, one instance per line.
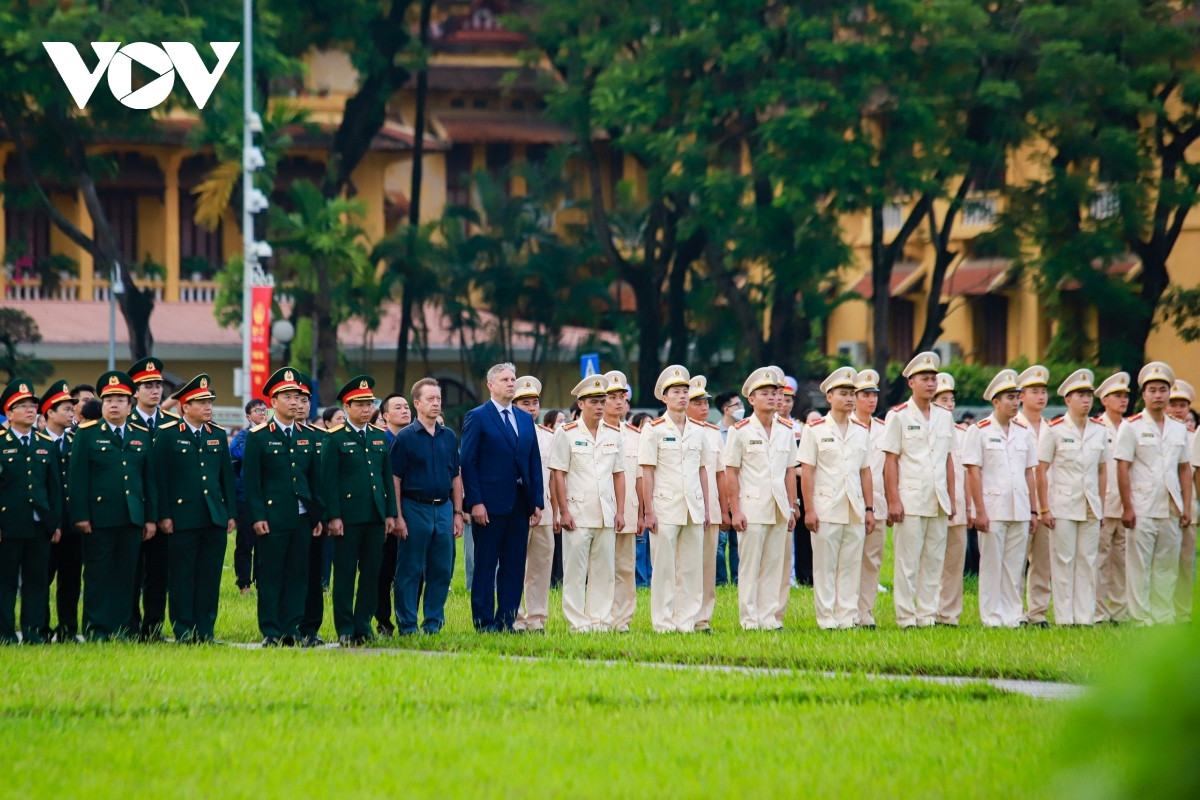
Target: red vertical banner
x=260, y=338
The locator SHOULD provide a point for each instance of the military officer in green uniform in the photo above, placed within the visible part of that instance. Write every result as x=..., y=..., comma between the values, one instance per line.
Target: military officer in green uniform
x=66, y=555
x=281, y=476
x=30, y=511
x=196, y=496
x=314, y=595
x=149, y=608
x=361, y=506
x=111, y=501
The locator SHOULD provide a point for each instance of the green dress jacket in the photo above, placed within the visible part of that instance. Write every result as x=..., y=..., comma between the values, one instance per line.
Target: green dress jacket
x=357, y=476
x=277, y=472
x=194, y=475
x=111, y=483
x=30, y=483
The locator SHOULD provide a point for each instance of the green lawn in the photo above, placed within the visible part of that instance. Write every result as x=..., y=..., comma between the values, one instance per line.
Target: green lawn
x=117, y=720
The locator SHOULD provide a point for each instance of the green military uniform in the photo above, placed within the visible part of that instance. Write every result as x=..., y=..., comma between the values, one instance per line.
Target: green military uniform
x=196, y=492
x=148, y=607
x=66, y=555
x=314, y=600
x=30, y=513
x=357, y=477
x=281, y=478
x=111, y=486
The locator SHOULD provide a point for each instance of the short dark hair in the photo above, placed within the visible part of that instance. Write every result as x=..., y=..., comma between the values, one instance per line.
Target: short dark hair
x=91, y=410
x=722, y=400
x=80, y=388
x=389, y=398
x=253, y=404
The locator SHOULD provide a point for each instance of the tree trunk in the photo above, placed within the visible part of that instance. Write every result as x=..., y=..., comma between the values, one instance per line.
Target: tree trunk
x=881, y=297
x=648, y=294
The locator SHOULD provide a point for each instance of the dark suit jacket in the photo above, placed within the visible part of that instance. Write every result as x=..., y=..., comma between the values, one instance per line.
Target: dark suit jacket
x=493, y=459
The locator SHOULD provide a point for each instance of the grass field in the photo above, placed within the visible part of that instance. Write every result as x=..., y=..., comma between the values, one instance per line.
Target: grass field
x=107, y=720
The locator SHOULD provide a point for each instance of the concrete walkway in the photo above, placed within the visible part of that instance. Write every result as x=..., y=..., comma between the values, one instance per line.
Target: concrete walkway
x=1040, y=690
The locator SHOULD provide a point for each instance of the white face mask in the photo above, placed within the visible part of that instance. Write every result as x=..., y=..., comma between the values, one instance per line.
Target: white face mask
x=738, y=413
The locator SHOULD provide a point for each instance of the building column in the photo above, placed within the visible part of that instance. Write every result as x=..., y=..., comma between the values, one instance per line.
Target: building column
x=518, y=186
x=169, y=164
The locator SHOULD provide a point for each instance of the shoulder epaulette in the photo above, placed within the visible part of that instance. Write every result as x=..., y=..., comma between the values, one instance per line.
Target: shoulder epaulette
x=570, y=426
x=169, y=412
x=960, y=426
x=900, y=407
x=608, y=425
x=139, y=427
x=1099, y=419
x=1054, y=422
x=816, y=422
x=166, y=423
x=1134, y=418
x=658, y=421
x=45, y=436
x=212, y=425
x=743, y=423
x=857, y=421
x=631, y=427
x=713, y=425
x=335, y=428
x=259, y=427
x=376, y=427
x=88, y=424
x=546, y=428
x=983, y=423
x=1019, y=424
x=785, y=421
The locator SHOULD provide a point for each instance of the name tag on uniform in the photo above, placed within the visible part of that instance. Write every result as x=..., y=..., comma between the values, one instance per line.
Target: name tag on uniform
x=274, y=444
x=756, y=441
x=10, y=451
x=1068, y=441
x=914, y=427
x=996, y=441
x=830, y=439
x=581, y=444
x=1147, y=435
x=668, y=438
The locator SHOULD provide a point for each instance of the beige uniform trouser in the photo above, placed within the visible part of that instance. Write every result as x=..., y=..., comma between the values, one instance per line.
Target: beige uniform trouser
x=1187, y=575
x=920, y=544
x=1110, y=572
x=950, y=597
x=624, y=580
x=1037, y=579
x=1002, y=551
x=869, y=579
x=760, y=563
x=709, y=604
x=676, y=584
x=588, y=578
x=837, y=570
x=785, y=582
x=1074, y=546
x=1152, y=569
x=539, y=562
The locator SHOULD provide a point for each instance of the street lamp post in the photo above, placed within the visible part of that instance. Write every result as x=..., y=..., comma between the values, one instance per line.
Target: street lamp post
x=253, y=200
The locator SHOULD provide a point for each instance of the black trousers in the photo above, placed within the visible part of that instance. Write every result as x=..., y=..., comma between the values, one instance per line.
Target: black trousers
x=26, y=557
x=387, y=579
x=66, y=573
x=150, y=588
x=243, y=547
x=314, y=598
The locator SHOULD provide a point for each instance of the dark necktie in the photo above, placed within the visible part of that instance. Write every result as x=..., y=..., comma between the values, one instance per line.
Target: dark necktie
x=117, y=435
x=197, y=434
x=25, y=440
x=287, y=436
x=62, y=443
x=509, y=422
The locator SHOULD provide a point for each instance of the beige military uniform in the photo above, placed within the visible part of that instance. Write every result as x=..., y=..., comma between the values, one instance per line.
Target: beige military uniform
x=837, y=460
x=1074, y=458
x=590, y=465
x=764, y=463
x=1004, y=459
x=874, y=542
x=1187, y=549
x=1037, y=555
x=539, y=553
x=715, y=445
x=1152, y=547
x=921, y=446
x=950, y=596
x=625, y=557
x=676, y=550
x=1110, y=554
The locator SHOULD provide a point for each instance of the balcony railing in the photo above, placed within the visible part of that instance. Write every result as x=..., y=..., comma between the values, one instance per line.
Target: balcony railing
x=27, y=289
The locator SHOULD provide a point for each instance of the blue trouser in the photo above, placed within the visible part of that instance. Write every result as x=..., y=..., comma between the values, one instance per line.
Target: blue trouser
x=642, y=561
x=427, y=551
x=727, y=540
x=499, y=577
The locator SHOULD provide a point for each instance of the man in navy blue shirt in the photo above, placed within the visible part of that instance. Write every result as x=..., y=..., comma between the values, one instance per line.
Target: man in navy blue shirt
x=243, y=552
x=425, y=468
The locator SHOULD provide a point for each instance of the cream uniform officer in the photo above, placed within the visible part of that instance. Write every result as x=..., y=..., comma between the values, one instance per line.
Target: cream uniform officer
x=866, y=401
x=539, y=551
x=918, y=475
x=674, y=458
x=625, y=559
x=1033, y=385
x=1183, y=395
x=1000, y=456
x=1072, y=451
x=835, y=477
x=760, y=476
x=1110, y=556
x=698, y=412
x=589, y=475
x=1154, y=475
x=950, y=597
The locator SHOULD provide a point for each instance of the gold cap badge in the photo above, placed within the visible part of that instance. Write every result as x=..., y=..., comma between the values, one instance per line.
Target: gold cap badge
x=288, y=376
x=113, y=380
x=362, y=384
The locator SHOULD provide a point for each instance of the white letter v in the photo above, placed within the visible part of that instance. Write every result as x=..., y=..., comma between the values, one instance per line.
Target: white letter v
x=80, y=83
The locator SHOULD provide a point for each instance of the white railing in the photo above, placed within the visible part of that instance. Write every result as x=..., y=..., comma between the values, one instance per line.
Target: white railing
x=979, y=211
x=1106, y=204
x=30, y=289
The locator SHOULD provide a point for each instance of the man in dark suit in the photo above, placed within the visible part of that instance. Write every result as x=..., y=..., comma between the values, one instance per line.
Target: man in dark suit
x=502, y=486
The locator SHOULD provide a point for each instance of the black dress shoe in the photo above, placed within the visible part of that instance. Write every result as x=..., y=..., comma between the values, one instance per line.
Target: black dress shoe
x=270, y=641
x=288, y=641
x=386, y=630
x=347, y=641
x=313, y=641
